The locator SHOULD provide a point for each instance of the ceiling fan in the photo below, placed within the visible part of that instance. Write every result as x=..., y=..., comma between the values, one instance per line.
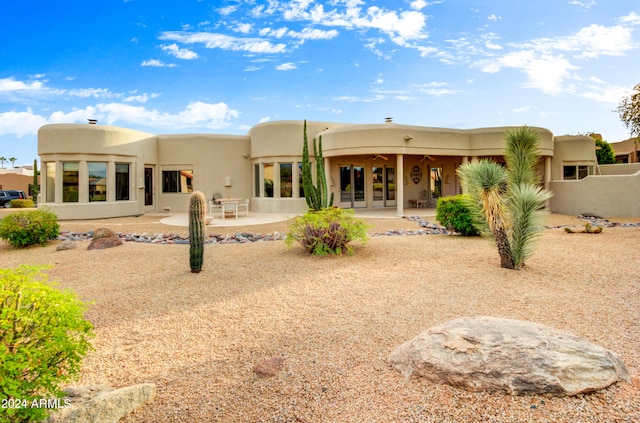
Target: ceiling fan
x=380, y=156
x=426, y=156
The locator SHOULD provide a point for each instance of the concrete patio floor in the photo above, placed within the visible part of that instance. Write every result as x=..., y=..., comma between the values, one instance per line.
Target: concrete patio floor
x=255, y=218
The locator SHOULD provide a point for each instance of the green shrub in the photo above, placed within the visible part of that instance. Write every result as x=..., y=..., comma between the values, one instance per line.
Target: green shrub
x=453, y=213
x=327, y=231
x=43, y=338
x=22, y=204
x=26, y=228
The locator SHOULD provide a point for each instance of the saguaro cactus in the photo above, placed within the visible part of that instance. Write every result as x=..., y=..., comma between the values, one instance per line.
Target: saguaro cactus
x=197, y=212
x=316, y=196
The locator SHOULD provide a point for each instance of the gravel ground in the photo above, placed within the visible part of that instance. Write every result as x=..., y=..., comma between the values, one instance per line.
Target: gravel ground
x=334, y=320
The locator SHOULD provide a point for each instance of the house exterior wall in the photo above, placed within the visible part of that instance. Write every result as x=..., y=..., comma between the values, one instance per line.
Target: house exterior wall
x=249, y=166
x=606, y=195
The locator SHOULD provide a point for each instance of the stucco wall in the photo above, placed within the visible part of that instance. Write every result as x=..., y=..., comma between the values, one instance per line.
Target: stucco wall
x=572, y=150
x=606, y=195
x=213, y=159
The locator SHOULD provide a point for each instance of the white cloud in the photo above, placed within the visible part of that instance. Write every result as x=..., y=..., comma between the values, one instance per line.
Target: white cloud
x=544, y=62
x=523, y=109
x=93, y=92
x=224, y=42
x=157, y=63
x=286, y=66
x=196, y=115
x=140, y=98
x=632, y=18
x=10, y=84
x=243, y=28
x=180, y=53
x=20, y=123
x=586, y=5
x=494, y=18
x=418, y=4
x=227, y=10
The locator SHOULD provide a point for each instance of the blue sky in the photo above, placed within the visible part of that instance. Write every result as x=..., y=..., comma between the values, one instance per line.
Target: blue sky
x=223, y=66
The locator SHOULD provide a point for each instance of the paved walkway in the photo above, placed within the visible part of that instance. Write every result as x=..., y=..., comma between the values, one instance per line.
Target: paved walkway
x=254, y=218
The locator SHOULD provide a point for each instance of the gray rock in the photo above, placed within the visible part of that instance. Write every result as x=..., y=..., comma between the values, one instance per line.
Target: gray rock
x=102, y=404
x=67, y=244
x=512, y=356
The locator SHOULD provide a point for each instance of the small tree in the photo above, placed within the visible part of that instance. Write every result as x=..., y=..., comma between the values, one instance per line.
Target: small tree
x=508, y=199
x=316, y=195
x=2, y=160
x=629, y=112
x=605, y=153
x=43, y=338
x=12, y=160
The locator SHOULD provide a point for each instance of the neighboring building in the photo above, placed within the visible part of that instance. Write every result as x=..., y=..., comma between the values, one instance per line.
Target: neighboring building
x=95, y=171
x=19, y=178
x=626, y=151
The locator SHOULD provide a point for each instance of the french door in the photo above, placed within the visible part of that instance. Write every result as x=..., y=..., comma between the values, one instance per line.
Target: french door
x=352, y=186
x=384, y=186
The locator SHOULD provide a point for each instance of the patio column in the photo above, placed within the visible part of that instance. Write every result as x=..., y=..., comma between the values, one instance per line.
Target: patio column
x=547, y=179
x=400, y=185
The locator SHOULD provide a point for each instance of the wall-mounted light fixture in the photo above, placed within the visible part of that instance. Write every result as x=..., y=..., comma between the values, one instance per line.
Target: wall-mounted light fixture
x=246, y=155
x=227, y=181
x=408, y=138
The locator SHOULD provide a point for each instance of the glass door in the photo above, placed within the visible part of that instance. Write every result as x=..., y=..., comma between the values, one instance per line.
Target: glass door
x=148, y=186
x=435, y=184
x=352, y=184
x=384, y=186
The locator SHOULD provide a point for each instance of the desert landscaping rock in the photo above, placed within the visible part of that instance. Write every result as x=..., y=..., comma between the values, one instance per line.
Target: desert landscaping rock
x=503, y=355
x=67, y=244
x=102, y=243
x=102, y=404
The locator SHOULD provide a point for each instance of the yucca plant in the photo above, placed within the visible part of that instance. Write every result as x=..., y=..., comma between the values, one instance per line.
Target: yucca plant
x=507, y=200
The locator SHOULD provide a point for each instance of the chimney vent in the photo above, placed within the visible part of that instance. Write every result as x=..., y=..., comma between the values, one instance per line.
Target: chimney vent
x=388, y=120
x=92, y=121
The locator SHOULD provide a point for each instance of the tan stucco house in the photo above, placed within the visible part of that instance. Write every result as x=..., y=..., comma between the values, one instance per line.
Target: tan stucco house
x=96, y=171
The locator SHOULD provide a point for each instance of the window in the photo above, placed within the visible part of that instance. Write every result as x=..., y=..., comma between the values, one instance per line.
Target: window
x=286, y=180
x=50, y=174
x=122, y=181
x=574, y=172
x=268, y=180
x=569, y=172
x=97, y=181
x=70, y=175
x=177, y=181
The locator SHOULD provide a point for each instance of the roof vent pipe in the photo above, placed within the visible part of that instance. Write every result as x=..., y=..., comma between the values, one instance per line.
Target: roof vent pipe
x=388, y=120
x=92, y=121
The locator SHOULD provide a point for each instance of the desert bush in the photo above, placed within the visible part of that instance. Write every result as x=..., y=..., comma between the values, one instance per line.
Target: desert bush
x=453, y=213
x=327, y=231
x=43, y=338
x=22, y=204
x=26, y=228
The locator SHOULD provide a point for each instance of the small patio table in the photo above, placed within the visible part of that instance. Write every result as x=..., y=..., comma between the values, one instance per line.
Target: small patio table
x=229, y=205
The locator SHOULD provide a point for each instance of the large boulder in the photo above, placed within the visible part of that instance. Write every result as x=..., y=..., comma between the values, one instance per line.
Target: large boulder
x=512, y=356
x=102, y=404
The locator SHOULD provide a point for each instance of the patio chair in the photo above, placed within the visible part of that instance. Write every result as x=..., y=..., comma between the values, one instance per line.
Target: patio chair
x=423, y=202
x=214, y=204
x=244, y=206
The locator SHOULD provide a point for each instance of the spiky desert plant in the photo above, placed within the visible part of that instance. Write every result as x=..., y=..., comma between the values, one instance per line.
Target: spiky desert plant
x=315, y=195
x=197, y=212
x=507, y=200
